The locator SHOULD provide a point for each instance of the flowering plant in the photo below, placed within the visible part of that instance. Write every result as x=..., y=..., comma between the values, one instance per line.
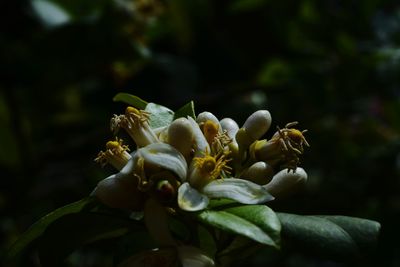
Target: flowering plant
x=197, y=188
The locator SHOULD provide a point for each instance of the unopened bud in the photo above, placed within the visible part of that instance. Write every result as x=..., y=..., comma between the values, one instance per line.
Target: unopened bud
x=286, y=182
x=230, y=126
x=209, y=125
x=259, y=173
x=180, y=136
x=256, y=125
x=121, y=193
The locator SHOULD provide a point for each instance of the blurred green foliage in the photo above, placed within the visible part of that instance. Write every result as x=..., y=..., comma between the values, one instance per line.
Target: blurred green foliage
x=333, y=65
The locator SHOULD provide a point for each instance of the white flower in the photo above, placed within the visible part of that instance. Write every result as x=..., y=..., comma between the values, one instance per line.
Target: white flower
x=163, y=156
x=142, y=175
x=284, y=148
x=135, y=123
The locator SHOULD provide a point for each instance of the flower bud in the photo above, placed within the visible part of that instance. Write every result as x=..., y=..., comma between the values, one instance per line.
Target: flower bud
x=286, y=182
x=267, y=151
x=201, y=145
x=230, y=126
x=209, y=125
x=259, y=173
x=120, y=192
x=256, y=125
x=180, y=136
x=206, y=116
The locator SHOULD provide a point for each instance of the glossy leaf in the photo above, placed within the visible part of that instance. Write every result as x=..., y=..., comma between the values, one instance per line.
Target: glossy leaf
x=364, y=232
x=256, y=222
x=160, y=116
x=332, y=236
x=186, y=110
x=129, y=99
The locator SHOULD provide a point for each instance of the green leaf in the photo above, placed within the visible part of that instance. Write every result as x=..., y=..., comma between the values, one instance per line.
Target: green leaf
x=332, y=236
x=37, y=229
x=186, y=110
x=129, y=99
x=74, y=230
x=160, y=116
x=364, y=232
x=256, y=222
x=220, y=203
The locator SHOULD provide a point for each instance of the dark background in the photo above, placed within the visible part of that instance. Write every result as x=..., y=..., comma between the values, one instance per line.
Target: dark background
x=332, y=65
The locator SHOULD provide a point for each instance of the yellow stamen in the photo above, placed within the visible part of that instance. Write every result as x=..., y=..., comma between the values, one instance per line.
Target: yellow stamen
x=136, y=116
x=116, y=154
x=212, y=166
x=292, y=142
x=210, y=130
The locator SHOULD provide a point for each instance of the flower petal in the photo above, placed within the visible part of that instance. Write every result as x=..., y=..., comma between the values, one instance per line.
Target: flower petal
x=190, y=199
x=286, y=181
x=230, y=126
x=118, y=191
x=259, y=173
x=166, y=157
x=201, y=144
x=194, y=257
x=180, y=135
x=242, y=191
x=129, y=167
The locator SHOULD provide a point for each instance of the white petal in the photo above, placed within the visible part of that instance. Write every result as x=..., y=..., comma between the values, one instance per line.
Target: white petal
x=199, y=139
x=164, y=156
x=190, y=199
x=144, y=135
x=129, y=167
x=284, y=182
x=194, y=257
x=180, y=135
x=119, y=191
x=230, y=126
x=259, y=173
x=208, y=116
x=257, y=124
x=242, y=191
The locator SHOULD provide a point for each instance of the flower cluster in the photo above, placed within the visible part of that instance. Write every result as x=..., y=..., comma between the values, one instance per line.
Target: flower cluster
x=188, y=162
